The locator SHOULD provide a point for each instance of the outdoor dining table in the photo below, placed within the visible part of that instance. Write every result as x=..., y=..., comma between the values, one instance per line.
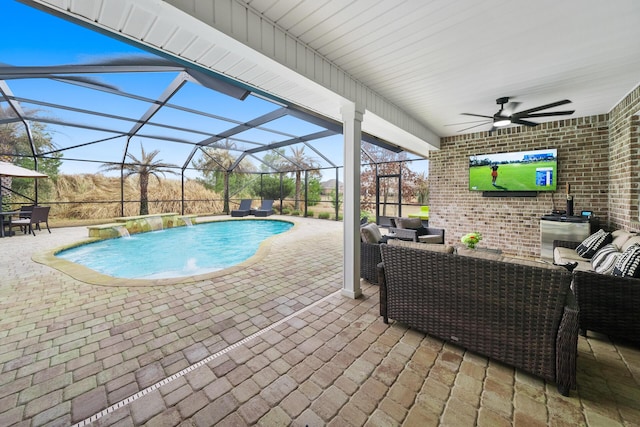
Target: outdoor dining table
x=8, y=214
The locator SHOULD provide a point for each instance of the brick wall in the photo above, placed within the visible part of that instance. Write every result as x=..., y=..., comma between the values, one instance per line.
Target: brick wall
x=624, y=181
x=513, y=223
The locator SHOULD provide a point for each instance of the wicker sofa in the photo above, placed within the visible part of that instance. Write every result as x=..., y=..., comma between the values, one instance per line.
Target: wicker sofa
x=522, y=315
x=608, y=304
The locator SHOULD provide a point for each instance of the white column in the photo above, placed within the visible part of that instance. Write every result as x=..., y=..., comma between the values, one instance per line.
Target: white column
x=352, y=130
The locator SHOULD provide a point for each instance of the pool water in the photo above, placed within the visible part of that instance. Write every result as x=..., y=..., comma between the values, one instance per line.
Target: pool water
x=176, y=252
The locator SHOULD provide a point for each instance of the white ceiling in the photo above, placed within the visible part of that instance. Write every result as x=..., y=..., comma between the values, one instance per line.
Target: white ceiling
x=437, y=59
x=416, y=64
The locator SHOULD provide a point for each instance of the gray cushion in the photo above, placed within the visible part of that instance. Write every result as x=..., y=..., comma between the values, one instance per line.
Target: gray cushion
x=620, y=237
x=630, y=241
x=370, y=233
x=422, y=246
x=475, y=253
x=430, y=238
x=563, y=255
x=410, y=223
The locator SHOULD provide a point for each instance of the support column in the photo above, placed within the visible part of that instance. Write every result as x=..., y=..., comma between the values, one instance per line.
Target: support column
x=352, y=129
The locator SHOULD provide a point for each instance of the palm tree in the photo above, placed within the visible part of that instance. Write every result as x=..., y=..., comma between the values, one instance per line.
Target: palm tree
x=301, y=160
x=218, y=161
x=146, y=166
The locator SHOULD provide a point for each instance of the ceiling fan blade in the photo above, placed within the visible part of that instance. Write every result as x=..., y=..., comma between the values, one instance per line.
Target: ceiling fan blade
x=475, y=126
x=477, y=115
x=522, y=122
x=466, y=123
x=542, y=107
x=549, y=114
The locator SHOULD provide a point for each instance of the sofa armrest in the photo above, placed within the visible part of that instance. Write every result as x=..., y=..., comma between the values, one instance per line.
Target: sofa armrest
x=608, y=304
x=567, y=347
x=432, y=231
x=404, y=233
x=565, y=244
x=369, y=259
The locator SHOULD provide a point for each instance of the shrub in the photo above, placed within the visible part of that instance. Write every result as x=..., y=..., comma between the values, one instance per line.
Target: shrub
x=324, y=215
x=295, y=212
x=310, y=214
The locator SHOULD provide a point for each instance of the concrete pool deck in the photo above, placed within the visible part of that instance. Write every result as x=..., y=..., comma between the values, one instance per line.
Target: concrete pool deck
x=271, y=344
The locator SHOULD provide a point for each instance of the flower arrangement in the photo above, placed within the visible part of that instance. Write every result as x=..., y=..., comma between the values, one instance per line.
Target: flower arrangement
x=471, y=239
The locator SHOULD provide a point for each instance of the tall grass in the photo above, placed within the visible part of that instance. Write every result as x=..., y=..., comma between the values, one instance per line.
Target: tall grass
x=88, y=196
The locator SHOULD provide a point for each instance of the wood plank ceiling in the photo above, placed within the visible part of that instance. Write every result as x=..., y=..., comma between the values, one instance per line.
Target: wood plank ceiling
x=437, y=59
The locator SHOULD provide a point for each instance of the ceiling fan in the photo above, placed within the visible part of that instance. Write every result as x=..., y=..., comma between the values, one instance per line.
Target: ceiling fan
x=505, y=115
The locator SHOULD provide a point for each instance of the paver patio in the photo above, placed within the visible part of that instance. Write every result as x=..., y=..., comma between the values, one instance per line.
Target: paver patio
x=273, y=344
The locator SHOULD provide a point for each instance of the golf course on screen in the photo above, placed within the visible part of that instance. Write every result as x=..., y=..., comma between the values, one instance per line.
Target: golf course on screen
x=515, y=176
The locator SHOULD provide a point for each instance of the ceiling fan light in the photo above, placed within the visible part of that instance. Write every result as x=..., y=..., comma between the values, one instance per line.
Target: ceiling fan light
x=502, y=122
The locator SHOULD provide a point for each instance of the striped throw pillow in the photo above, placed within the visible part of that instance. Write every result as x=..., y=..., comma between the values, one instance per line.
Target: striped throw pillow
x=605, y=259
x=628, y=265
x=591, y=244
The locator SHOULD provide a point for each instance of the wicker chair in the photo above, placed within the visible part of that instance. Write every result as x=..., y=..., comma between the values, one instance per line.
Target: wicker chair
x=522, y=315
x=417, y=234
x=608, y=304
x=369, y=260
x=39, y=214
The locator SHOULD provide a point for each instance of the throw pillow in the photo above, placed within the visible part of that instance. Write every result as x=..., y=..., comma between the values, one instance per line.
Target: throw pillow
x=591, y=244
x=628, y=264
x=619, y=237
x=370, y=233
x=605, y=259
x=410, y=223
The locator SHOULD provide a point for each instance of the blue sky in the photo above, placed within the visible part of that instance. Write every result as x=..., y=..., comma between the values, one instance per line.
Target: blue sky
x=37, y=38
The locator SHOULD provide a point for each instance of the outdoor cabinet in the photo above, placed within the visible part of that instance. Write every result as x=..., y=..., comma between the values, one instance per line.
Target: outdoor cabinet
x=551, y=230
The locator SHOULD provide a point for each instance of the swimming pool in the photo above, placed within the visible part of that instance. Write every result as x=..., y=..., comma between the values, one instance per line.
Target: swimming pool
x=176, y=252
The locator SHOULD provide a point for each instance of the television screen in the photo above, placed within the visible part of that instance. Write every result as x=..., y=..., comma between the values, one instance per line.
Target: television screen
x=517, y=171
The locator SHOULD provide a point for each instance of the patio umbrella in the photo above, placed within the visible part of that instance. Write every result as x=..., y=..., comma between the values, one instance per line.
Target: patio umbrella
x=11, y=170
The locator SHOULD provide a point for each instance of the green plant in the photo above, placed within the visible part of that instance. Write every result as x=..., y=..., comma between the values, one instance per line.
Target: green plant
x=310, y=214
x=471, y=239
x=295, y=212
x=324, y=215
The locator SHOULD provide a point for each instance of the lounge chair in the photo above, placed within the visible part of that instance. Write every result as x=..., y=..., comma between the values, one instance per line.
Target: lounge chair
x=265, y=209
x=39, y=214
x=243, y=210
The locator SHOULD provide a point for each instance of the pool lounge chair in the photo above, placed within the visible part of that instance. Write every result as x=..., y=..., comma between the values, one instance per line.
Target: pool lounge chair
x=243, y=210
x=265, y=209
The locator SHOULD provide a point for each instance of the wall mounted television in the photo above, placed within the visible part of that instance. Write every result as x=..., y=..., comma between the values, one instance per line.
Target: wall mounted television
x=521, y=171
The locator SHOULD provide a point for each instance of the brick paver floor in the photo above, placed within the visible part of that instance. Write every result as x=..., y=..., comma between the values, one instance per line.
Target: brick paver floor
x=273, y=343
